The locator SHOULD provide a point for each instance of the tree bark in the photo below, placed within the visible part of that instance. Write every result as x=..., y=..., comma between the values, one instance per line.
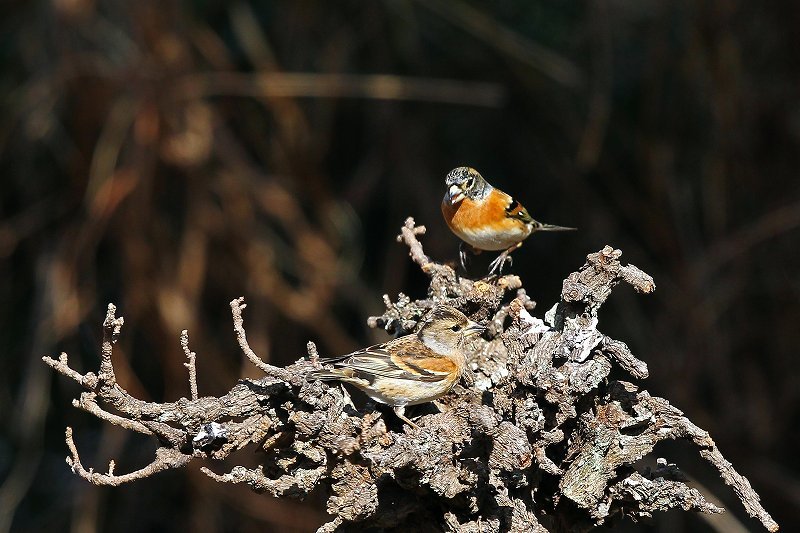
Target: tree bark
x=537, y=437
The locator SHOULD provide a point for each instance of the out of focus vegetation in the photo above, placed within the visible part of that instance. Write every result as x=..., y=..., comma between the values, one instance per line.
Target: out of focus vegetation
x=170, y=156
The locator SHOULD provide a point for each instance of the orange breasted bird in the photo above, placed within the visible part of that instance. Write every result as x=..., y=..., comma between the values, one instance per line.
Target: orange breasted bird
x=411, y=369
x=486, y=218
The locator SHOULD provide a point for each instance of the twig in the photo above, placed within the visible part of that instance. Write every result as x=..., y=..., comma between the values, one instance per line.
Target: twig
x=313, y=354
x=190, y=364
x=237, y=306
x=89, y=404
x=166, y=458
x=408, y=235
x=111, y=329
x=742, y=488
x=88, y=380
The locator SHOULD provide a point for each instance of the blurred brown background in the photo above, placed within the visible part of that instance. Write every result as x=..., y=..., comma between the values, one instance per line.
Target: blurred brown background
x=170, y=156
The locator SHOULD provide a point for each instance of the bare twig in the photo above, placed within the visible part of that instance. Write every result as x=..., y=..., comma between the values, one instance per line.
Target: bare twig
x=313, y=354
x=237, y=306
x=742, y=488
x=111, y=330
x=88, y=403
x=408, y=235
x=166, y=458
x=88, y=380
x=190, y=363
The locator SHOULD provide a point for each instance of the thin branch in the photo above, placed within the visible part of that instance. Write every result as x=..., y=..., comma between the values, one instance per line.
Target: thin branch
x=408, y=235
x=237, y=306
x=190, y=364
x=88, y=380
x=88, y=403
x=166, y=458
x=111, y=330
x=313, y=354
x=742, y=488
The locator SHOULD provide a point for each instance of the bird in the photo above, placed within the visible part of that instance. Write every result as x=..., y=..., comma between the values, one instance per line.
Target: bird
x=412, y=369
x=486, y=218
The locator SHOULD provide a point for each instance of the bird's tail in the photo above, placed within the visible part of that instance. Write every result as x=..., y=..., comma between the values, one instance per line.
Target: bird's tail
x=328, y=375
x=538, y=226
x=324, y=375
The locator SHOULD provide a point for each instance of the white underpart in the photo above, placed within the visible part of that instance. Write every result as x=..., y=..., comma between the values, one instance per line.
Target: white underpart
x=491, y=240
x=432, y=391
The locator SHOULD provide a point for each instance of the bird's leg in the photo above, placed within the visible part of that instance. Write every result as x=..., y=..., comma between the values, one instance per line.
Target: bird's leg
x=400, y=412
x=462, y=255
x=464, y=251
x=496, y=266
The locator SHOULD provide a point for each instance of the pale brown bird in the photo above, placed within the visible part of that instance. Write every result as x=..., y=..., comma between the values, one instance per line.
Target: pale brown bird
x=486, y=218
x=412, y=369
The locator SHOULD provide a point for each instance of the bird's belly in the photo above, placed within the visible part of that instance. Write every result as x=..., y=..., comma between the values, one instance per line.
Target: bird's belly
x=397, y=392
x=494, y=239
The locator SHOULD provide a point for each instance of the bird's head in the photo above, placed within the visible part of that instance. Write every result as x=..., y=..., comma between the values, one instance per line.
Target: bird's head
x=465, y=182
x=445, y=328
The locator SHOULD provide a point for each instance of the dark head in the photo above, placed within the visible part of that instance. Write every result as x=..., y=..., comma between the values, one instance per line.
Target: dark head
x=445, y=328
x=465, y=182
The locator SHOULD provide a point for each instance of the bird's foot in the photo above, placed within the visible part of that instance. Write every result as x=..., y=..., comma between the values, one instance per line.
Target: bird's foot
x=496, y=266
x=400, y=412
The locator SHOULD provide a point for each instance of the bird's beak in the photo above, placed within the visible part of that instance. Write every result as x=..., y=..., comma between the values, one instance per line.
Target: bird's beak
x=473, y=328
x=456, y=194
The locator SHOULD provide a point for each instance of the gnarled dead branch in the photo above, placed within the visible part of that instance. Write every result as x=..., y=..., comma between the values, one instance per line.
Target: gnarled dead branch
x=538, y=438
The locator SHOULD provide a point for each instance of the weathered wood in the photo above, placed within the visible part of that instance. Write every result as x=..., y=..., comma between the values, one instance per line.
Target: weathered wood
x=536, y=439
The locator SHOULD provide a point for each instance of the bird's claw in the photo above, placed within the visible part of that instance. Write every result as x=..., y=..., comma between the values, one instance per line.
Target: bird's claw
x=496, y=266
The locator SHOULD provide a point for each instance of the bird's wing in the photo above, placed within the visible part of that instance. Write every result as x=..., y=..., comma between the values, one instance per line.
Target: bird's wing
x=515, y=210
x=403, y=358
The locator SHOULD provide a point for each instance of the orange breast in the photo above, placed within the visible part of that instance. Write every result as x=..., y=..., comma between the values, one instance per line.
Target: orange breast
x=484, y=225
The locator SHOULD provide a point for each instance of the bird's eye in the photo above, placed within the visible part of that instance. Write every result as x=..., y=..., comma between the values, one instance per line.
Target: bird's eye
x=470, y=183
x=455, y=328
